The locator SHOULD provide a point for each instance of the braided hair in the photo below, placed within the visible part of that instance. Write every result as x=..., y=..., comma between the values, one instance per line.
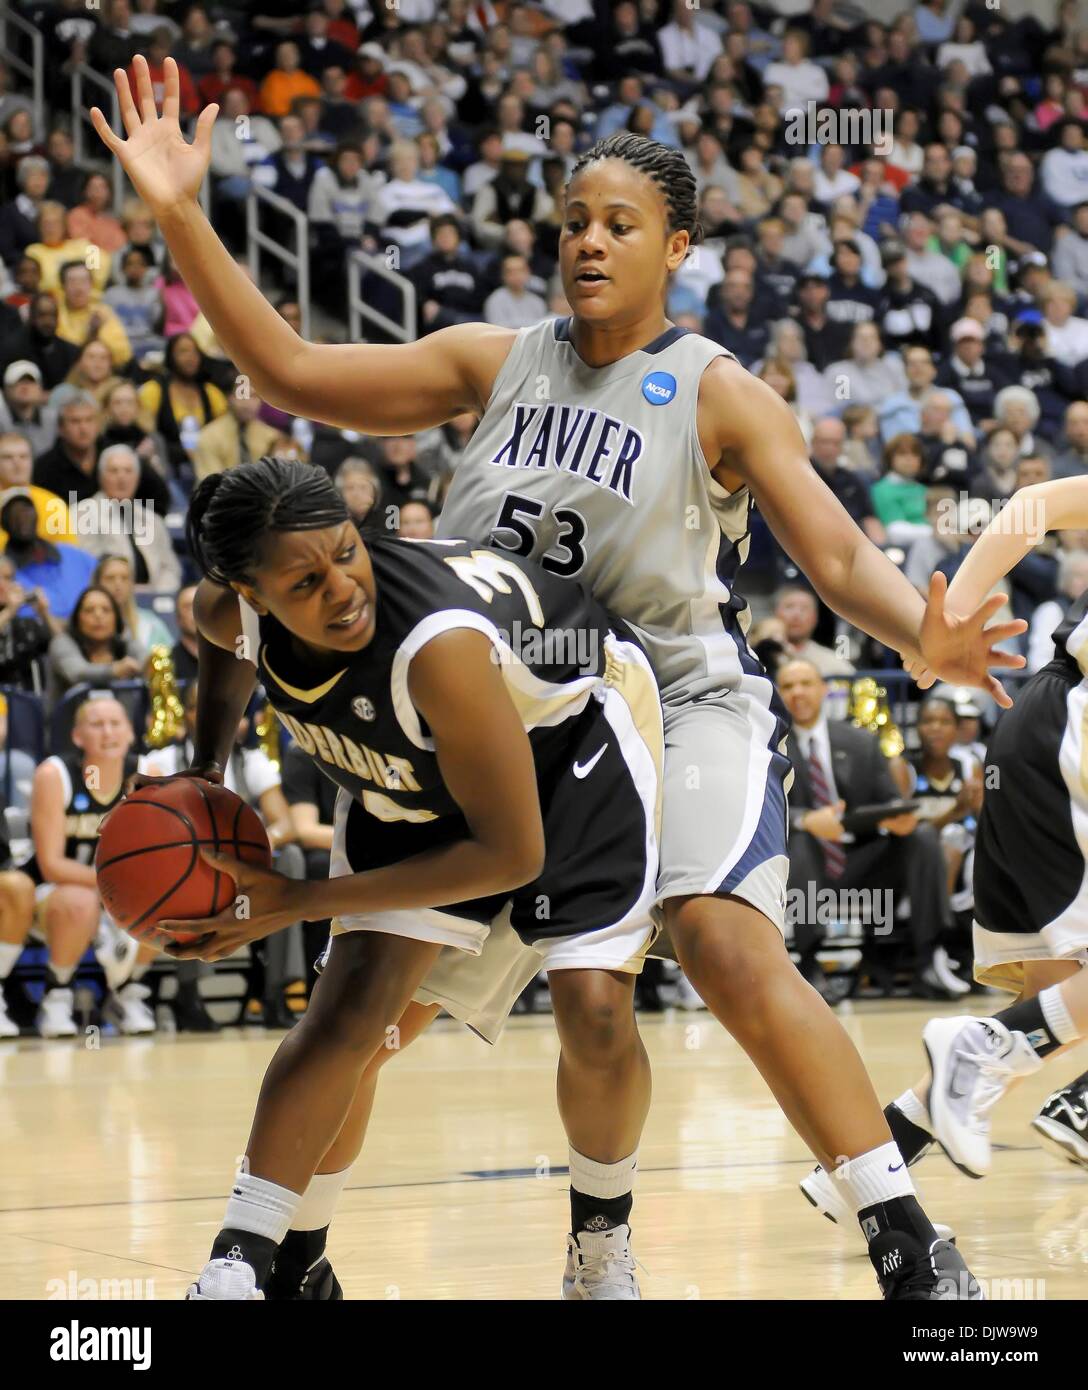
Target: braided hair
x=667, y=167
x=232, y=513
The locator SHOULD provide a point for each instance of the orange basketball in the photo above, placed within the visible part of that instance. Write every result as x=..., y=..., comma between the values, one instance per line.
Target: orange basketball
x=148, y=860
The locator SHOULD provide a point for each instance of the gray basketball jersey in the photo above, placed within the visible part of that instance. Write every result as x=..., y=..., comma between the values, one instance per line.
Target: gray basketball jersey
x=598, y=474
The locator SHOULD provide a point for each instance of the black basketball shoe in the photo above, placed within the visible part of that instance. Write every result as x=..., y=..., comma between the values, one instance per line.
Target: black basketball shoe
x=908, y=1272
x=291, y=1284
x=1062, y=1123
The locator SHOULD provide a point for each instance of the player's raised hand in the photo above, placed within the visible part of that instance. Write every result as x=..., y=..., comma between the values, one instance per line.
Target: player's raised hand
x=962, y=650
x=164, y=168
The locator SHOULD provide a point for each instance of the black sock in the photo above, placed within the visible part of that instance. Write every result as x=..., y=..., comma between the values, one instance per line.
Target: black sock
x=1027, y=1017
x=250, y=1249
x=300, y=1249
x=912, y=1139
x=599, y=1213
x=897, y=1214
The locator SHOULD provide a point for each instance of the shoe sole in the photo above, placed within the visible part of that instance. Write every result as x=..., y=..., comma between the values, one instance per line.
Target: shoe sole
x=943, y=1232
x=1057, y=1140
x=967, y=1172
x=821, y=1207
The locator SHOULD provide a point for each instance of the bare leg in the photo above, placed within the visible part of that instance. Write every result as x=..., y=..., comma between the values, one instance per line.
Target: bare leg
x=603, y=1081
x=362, y=993
x=349, y=1142
x=16, y=907
x=737, y=961
x=71, y=920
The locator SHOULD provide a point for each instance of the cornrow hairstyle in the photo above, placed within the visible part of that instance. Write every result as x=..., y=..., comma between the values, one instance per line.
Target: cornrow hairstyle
x=667, y=167
x=231, y=514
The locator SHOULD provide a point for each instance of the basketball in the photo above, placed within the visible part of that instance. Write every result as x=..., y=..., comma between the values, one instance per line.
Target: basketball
x=148, y=860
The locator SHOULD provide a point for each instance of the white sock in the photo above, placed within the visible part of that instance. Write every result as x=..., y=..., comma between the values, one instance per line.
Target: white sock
x=315, y=1211
x=10, y=952
x=604, y=1180
x=1057, y=1015
x=260, y=1206
x=62, y=974
x=877, y=1176
x=914, y=1110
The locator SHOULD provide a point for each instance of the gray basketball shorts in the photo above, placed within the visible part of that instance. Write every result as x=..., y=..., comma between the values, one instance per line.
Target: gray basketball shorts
x=724, y=820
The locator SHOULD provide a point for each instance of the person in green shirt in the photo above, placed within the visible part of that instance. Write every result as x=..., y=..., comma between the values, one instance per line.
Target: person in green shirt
x=899, y=499
x=949, y=239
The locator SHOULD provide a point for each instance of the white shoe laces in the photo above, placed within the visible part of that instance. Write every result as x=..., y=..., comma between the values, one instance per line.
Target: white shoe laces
x=613, y=1267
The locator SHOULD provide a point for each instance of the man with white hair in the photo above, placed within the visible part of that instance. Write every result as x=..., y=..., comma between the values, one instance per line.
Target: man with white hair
x=1066, y=333
x=405, y=204
x=115, y=522
x=1017, y=409
x=949, y=451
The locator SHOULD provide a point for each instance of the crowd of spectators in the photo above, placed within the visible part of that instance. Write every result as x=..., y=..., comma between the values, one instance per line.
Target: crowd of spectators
x=913, y=281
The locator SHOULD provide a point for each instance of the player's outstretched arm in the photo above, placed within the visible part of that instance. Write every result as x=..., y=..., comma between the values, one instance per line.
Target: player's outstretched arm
x=371, y=388
x=1014, y=532
x=760, y=444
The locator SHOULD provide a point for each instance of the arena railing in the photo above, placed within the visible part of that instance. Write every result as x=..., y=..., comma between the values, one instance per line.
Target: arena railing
x=106, y=98
x=359, y=264
x=34, y=70
x=257, y=241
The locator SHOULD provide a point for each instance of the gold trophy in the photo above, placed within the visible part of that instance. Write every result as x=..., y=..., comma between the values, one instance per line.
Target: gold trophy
x=166, y=724
x=268, y=734
x=869, y=709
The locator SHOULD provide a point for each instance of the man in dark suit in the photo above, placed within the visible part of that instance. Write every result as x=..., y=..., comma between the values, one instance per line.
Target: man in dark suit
x=838, y=767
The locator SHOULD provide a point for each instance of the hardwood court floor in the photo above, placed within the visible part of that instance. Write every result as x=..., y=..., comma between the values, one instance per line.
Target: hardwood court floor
x=116, y=1164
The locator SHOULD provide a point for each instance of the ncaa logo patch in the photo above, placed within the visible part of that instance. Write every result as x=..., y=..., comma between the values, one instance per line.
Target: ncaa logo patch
x=363, y=708
x=659, y=388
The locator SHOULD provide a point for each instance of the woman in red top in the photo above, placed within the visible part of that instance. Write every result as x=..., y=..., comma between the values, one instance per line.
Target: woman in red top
x=222, y=76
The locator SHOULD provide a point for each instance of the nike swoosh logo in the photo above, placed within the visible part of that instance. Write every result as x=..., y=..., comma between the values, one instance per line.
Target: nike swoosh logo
x=895, y=1169
x=584, y=769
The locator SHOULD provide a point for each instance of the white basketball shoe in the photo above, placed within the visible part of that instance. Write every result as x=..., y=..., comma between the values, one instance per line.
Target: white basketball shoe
x=600, y=1265
x=225, y=1280
x=55, y=1014
x=972, y=1060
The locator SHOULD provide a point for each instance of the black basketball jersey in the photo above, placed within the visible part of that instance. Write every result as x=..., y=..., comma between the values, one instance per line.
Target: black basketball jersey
x=1071, y=634
x=359, y=723
x=84, y=810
